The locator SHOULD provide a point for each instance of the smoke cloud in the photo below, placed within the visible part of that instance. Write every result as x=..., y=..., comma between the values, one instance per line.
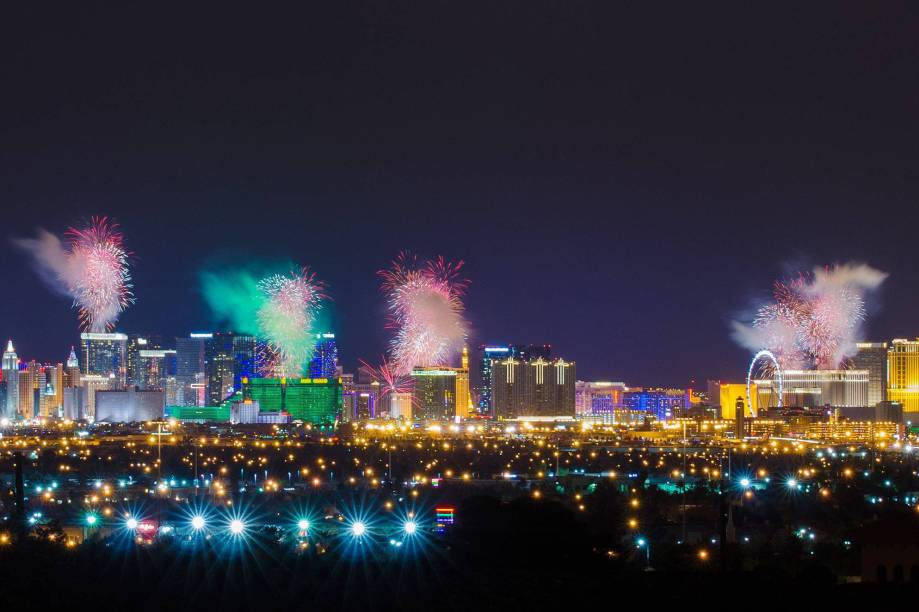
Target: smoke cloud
x=813, y=321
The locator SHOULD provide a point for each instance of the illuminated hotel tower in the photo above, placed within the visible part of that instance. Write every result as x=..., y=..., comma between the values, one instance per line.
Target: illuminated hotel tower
x=105, y=354
x=903, y=374
x=464, y=406
x=11, y=376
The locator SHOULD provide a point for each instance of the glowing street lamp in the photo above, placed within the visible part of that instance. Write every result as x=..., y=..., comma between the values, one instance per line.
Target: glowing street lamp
x=237, y=527
x=197, y=522
x=643, y=543
x=91, y=520
x=131, y=523
x=303, y=525
x=745, y=483
x=410, y=527
x=358, y=529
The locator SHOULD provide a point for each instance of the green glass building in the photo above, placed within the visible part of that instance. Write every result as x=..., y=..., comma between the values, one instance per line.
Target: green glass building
x=311, y=400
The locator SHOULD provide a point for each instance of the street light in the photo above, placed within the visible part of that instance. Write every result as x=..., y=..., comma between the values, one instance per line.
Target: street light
x=197, y=522
x=131, y=523
x=643, y=543
x=303, y=525
x=358, y=529
x=410, y=527
x=237, y=527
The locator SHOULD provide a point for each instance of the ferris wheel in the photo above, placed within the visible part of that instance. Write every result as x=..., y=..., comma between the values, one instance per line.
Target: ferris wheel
x=770, y=362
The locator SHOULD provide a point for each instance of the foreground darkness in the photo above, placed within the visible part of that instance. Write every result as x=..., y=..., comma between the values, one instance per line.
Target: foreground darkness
x=516, y=555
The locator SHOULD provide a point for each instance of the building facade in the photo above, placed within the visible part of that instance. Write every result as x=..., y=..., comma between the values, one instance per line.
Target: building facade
x=598, y=399
x=815, y=388
x=872, y=356
x=903, y=374
x=536, y=387
x=105, y=354
x=190, y=378
x=324, y=362
x=152, y=367
x=433, y=393
x=489, y=355
x=11, y=378
x=311, y=400
x=128, y=405
x=727, y=399
x=663, y=404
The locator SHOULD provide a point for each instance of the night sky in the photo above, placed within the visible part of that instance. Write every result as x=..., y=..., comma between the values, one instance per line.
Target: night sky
x=620, y=182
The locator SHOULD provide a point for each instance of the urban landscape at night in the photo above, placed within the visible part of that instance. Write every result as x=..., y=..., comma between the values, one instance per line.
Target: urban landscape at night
x=442, y=306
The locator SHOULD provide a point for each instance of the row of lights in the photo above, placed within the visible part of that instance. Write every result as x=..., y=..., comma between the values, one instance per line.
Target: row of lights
x=237, y=527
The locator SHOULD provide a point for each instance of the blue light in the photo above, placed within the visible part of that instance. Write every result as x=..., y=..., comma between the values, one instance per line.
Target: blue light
x=198, y=522
x=410, y=527
x=303, y=525
x=91, y=519
x=745, y=483
x=131, y=523
x=358, y=529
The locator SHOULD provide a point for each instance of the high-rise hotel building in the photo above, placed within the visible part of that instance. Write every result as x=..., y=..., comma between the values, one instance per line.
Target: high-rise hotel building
x=190, y=378
x=105, y=354
x=495, y=353
x=903, y=374
x=11, y=378
x=872, y=356
x=434, y=393
x=534, y=387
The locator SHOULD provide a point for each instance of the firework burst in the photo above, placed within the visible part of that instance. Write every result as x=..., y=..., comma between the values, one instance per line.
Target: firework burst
x=90, y=267
x=425, y=311
x=285, y=320
x=390, y=381
x=101, y=286
x=813, y=320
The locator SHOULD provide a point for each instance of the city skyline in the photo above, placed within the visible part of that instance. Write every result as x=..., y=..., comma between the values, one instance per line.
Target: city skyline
x=614, y=209
x=418, y=305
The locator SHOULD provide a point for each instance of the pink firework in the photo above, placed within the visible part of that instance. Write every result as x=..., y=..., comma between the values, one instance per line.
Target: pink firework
x=285, y=317
x=425, y=311
x=98, y=275
x=389, y=380
x=811, y=323
x=392, y=384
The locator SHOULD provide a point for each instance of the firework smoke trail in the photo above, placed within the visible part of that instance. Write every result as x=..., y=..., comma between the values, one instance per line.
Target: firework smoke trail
x=92, y=269
x=425, y=310
x=285, y=320
x=814, y=320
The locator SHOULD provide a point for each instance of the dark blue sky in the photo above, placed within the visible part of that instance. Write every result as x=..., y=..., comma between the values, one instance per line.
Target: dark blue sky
x=619, y=181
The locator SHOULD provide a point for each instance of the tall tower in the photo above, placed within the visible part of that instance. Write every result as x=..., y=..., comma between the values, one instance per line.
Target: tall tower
x=903, y=374
x=105, y=354
x=324, y=361
x=72, y=372
x=740, y=428
x=463, y=401
x=190, y=376
x=11, y=376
